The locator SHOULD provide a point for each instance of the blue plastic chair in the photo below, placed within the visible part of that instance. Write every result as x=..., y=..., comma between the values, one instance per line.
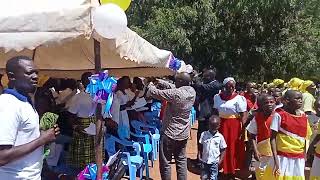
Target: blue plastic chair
x=141, y=127
x=133, y=162
x=156, y=109
x=155, y=146
x=144, y=139
x=153, y=132
x=152, y=119
x=193, y=116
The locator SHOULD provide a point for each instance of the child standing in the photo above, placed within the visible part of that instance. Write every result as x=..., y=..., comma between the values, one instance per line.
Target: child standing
x=259, y=130
x=211, y=150
x=290, y=130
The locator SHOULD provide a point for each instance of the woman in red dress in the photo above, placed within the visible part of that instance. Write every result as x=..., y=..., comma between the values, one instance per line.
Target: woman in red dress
x=232, y=110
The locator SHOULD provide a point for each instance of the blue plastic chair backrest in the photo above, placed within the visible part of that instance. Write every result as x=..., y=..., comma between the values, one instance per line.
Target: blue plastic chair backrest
x=110, y=144
x=123, y=132
x=137, y=147
x=155, y=109
x=135, y=124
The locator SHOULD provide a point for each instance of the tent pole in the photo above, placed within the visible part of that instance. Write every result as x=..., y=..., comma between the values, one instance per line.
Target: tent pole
x=99, y=138
x=34, y=53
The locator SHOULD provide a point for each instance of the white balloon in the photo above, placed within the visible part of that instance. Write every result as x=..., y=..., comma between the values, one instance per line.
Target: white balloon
x=189, y=68
x=182, y=68
x=109, y=20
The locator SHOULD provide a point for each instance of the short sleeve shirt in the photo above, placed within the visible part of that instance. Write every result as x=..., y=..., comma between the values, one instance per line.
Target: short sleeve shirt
x=81, y=105
x=212, y=146
x=308, y=102
x=252, y=127
x=231, y=107
x=20, y=125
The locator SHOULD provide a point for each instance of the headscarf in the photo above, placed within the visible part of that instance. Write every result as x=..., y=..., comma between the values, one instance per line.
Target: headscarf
x=295, y=83
x=271, y=85
x=305, y=85
x=228, y=79
x=278, y=82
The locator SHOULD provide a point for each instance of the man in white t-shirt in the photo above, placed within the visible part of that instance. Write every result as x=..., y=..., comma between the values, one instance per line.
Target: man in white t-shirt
x=21, y=144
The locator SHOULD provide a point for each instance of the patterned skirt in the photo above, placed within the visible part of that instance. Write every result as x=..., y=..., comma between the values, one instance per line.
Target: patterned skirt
x=82, y=147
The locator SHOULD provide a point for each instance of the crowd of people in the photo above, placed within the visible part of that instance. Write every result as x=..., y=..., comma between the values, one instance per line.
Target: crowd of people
x=269, y=128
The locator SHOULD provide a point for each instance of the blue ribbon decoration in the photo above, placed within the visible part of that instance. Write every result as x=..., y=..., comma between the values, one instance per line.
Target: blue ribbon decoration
x=107, y=108
x=101, y=89
x=175, y=64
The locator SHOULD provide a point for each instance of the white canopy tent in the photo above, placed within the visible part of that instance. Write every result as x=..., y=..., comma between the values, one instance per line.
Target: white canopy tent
x=59, y=35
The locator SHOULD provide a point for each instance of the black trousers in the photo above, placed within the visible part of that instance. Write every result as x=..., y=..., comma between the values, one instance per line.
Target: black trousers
x=202, y=126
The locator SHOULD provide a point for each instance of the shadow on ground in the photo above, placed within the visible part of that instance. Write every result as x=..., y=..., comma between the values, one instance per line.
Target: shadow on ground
x=192, y=166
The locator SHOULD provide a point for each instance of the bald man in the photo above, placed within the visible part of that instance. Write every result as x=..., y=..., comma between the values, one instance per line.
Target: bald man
x=176, y=124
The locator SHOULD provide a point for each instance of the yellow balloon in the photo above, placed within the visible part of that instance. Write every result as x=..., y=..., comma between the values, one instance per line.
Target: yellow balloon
x=124, y=4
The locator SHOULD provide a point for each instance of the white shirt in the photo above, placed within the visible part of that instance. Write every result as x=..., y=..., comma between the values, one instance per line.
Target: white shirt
x=20, y=125
x=123, y=115
x=232, y=107
x=131, y=94
x=82, y=105
x=252, y=127
x=115, y=109
x=212, y=146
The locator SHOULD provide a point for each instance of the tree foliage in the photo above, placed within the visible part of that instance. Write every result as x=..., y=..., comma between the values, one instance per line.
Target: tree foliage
x=256, y=40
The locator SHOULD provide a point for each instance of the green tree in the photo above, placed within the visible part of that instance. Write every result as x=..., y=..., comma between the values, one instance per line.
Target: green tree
x=256, y=40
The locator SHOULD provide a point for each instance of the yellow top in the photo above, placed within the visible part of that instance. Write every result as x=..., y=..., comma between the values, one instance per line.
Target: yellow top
x=264, y=148
x=292, y=143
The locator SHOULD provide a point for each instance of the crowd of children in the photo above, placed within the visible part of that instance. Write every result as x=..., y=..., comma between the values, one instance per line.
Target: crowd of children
x=283, y=129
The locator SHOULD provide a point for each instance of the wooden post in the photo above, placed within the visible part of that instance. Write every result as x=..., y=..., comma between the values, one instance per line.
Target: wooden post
x=99, y=138
x=34, y=54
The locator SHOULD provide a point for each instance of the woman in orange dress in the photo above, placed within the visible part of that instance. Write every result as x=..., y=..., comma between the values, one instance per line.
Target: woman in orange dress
x=232, y=109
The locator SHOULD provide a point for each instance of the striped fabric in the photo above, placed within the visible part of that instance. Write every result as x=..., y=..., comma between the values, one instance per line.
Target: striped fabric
x=293, y=133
